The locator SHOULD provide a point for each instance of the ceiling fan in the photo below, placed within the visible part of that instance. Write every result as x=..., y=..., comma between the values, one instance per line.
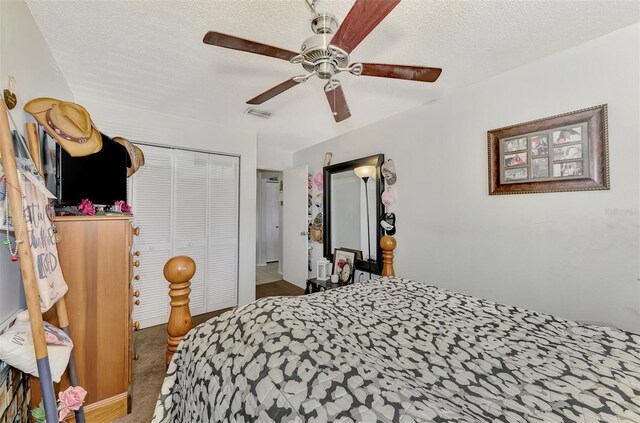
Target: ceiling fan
x=327, y=53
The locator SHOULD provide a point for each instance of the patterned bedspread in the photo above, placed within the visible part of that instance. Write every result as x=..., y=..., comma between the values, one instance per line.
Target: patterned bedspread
x=402, y=351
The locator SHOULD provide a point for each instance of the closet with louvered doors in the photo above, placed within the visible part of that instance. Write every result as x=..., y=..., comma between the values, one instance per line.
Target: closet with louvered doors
x=185, y=203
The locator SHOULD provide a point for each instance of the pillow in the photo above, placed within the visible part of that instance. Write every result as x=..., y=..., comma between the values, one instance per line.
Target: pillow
x=17, y=350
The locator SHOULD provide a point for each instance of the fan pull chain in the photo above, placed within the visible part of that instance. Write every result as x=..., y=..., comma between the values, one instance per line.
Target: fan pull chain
x=334, y=112
x=334, y=103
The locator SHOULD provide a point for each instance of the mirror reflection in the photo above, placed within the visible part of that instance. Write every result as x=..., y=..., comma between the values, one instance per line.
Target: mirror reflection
x=348, y=196
x=349, y=213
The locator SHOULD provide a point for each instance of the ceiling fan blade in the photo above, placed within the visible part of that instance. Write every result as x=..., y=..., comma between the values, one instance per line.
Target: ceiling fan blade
x=337, y=102
x=229, y=41
x=272, y=92
x=413, y=73
x=363, y=17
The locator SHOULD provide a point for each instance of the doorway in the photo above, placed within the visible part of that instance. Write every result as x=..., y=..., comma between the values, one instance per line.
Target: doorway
x=269, y=227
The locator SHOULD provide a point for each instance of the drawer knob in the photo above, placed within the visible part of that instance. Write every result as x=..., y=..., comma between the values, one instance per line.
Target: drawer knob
x=137, y=302
x=136, y=293
x=136, y=356
x=136, y=326
x=136, y=277
x=137, y=254
x=136, y=263
x=136, y=231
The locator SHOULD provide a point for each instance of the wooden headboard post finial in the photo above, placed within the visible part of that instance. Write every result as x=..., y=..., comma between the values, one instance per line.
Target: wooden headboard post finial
x=178, y=271
x=388, y=244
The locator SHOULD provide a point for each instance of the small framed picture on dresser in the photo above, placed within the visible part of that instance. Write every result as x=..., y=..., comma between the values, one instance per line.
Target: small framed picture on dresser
x=344, y=264
x=567, y=152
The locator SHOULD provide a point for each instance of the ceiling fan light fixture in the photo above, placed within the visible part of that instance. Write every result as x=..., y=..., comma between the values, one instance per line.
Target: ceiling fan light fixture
x=265, y=114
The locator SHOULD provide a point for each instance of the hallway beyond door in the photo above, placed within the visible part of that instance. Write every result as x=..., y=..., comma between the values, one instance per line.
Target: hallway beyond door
x=268, y=273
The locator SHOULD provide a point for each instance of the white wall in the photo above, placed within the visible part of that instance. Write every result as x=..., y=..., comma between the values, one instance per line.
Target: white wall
x=273, y=158
x=576, y=254
x=166, y=129
x=24, y=54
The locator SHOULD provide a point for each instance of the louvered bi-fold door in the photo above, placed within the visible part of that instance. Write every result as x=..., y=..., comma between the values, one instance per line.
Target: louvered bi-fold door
x=151, y=199
x=190, y=219
x=222, y=271
x=186, y=203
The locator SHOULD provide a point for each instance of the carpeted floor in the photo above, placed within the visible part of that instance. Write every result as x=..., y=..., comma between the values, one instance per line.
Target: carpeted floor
x=151, y=344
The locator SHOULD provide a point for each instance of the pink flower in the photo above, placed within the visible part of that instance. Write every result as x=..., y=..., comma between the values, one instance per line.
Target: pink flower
x=124, y=207
x=341, y=263
x=63, y=413
x=87, y=207
x=52, y=339
x=72, y=398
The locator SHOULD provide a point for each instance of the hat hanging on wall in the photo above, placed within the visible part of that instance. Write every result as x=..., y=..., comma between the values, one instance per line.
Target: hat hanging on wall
x=317, y=221
x=136, y=156
x=10, y=98
x=316, y=235
x=68, y=123
x=327, y=159
x=388, y=223
x=319, y=181
x=316, y=229
x=389, y=172
x=389, y=199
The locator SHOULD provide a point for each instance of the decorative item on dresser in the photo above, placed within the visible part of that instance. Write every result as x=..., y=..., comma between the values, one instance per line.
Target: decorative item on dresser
x=96, y=259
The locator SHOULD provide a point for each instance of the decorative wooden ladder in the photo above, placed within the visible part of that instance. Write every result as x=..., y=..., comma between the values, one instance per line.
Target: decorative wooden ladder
x=28, y=274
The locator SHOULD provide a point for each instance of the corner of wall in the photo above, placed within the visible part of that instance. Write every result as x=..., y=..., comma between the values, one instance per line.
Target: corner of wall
x=26, y=56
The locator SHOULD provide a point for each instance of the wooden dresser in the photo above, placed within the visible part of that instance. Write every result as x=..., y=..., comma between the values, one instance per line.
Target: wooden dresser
x=97, y=263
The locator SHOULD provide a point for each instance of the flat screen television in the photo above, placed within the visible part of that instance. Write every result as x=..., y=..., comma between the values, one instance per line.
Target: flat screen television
x=100, y=177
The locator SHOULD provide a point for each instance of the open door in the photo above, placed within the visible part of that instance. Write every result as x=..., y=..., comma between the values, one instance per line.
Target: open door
x=294, y=231
x=271, y=215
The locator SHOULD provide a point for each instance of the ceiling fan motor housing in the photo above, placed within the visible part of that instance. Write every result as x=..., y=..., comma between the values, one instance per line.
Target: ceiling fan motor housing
x=319, y=58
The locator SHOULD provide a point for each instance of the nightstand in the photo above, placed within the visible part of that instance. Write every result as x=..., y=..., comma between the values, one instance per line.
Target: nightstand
x=315, y=285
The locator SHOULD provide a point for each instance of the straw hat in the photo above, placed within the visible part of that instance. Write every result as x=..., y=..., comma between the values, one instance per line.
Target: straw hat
x=135, y=155
x=68, y=123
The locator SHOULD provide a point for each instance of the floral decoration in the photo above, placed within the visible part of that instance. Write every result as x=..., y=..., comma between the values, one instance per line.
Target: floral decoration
x=124, y=207
x=71, y=399
x=87, y=207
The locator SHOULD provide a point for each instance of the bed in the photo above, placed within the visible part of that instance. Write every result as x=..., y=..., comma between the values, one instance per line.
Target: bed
x=398, y=350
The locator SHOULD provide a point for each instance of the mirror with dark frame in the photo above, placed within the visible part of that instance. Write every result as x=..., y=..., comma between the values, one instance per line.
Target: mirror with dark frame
x=345, y=210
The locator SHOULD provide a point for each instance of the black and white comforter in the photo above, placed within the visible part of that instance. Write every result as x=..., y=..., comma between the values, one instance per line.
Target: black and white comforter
x=402, y=351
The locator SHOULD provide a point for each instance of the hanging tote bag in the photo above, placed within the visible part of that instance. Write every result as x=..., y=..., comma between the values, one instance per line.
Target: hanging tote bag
x=51, y=283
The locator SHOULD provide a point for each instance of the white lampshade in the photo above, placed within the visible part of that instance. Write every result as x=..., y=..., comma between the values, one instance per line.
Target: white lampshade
x=365, y=171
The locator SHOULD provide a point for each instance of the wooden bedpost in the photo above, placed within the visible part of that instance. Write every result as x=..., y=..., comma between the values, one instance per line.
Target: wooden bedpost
x=178, y=271
x=388, y=244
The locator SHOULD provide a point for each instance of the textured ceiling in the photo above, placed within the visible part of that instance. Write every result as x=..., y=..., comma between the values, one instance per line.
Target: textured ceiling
x=150, y=55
